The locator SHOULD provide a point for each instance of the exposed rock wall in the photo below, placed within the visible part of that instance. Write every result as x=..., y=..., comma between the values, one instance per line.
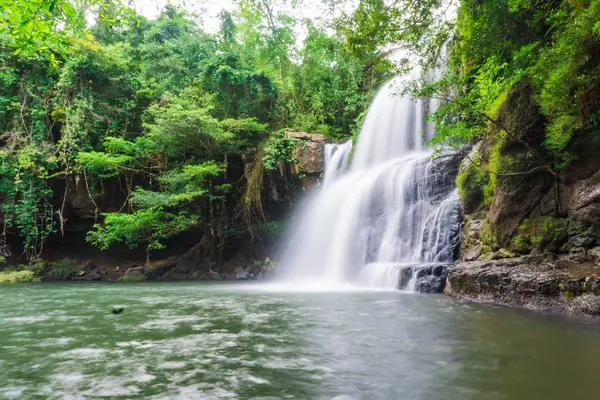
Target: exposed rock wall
x=311, y=158
x=529, y=231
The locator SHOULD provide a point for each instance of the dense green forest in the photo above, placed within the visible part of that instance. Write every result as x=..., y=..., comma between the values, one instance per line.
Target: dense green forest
x=161, y=106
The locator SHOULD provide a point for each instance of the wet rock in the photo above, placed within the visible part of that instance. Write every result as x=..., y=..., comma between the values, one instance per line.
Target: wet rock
x=429, y=278
x=311, y=157
x=513, y=202
x=241, y=274
x=581, y=241
x=179, y=277
x=310, y=153
x=430, y=284
x=594, y=255
x=89, y=276
x=544, y=282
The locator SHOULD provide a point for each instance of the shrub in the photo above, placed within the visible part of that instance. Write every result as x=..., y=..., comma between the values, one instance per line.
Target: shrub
x=22, y=276
x=65, y=269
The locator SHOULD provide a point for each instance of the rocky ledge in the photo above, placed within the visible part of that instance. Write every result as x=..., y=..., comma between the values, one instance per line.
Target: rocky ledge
x=428, y=278
x=566, y=284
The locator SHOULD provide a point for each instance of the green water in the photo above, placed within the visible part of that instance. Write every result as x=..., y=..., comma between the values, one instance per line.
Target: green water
x=202, y=341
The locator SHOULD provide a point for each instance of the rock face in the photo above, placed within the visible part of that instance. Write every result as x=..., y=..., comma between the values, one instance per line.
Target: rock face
x=429, y=278
x=528, y=231
x=311, y=157
x=569, y=284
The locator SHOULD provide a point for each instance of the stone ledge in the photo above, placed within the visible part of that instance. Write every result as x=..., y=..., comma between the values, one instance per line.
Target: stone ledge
x=568, y=284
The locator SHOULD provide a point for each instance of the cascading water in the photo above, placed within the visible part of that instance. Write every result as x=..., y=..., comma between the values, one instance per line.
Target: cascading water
x=336, y=160
x=396, y=206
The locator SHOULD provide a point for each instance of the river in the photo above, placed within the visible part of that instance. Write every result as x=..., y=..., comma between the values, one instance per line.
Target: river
x=229, y=341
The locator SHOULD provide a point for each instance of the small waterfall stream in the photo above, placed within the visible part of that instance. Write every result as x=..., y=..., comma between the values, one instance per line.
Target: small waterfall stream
x=336, y=160
x=395, y=208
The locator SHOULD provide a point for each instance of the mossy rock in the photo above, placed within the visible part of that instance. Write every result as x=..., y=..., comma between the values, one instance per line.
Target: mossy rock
x=471, y=181
x=541, y=234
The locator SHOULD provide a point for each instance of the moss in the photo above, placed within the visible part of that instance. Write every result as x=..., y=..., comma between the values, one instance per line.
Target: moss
x=541, y=233
x=504, y=253
x=494, y=165
x=488, y=240
x=580, y=228
x=470, y=181
x=22, y=276
x=520, y=244
x=477, y=178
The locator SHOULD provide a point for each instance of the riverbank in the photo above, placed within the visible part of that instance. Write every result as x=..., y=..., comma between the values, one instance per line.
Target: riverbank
x=176, y=268
x=567, y=284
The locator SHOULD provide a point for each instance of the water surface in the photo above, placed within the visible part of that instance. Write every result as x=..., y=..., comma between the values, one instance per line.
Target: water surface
x=219, y=341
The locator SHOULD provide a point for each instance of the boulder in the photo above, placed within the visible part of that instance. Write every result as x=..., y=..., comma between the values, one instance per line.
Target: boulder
x=311, y=158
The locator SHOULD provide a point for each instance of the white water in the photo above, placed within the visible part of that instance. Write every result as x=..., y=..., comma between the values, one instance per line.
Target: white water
x=336, y=160
x=392, y=208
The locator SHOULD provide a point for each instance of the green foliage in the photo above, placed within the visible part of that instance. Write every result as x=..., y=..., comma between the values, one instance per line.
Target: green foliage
x=488, y=240
x=148, y=227
x=267, y=266
x=473, y=182
x=161, y=111
x=23, y=273
x=23, y=276
x=279, y=149
x=26, y=195
x=500, y=43
x=541, y=232
x=241, y=92
x=34, y=24
x=35, y=266
x=65, y=269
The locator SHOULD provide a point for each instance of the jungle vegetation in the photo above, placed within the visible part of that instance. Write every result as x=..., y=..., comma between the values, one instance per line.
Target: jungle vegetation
x=92, y=91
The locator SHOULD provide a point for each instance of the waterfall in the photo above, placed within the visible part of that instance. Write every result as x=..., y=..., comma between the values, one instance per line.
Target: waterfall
x=336, y=160
x=396, y=206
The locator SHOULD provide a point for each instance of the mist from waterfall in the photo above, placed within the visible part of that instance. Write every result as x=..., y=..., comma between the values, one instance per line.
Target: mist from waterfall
x=393, y=207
